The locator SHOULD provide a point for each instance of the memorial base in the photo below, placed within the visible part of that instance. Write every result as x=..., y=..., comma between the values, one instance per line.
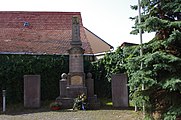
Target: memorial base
x=67, y=103
x=75, y=91
x=72, y=92
x=94, y=103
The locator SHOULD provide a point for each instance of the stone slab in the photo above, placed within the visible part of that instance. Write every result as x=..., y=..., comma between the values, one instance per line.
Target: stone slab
x=32, y=91
x=120, y=97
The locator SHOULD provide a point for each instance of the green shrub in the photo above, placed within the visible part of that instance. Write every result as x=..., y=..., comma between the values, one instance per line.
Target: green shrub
x=14, y=67
x=104, y=68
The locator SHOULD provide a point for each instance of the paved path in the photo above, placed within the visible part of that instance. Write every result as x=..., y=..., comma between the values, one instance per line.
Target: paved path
x=73, y=115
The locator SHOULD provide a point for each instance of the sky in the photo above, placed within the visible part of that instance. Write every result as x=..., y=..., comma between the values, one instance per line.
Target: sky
x=108, y=19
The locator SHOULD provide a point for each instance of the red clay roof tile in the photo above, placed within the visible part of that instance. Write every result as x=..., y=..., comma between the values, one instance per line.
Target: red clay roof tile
x=45, y=32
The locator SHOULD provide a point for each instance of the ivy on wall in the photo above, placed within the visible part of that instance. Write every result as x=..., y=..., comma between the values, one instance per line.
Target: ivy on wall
x=14, y=67
x=50, y=67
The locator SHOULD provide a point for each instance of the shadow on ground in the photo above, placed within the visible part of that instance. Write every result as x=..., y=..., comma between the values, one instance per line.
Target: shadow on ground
x=20, y=110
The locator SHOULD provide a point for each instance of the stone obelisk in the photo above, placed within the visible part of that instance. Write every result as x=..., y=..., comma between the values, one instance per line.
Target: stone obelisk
x=76, y=77
x=74, y=83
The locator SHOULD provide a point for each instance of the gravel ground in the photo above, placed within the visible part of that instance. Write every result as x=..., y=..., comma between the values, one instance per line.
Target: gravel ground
x=72, y=115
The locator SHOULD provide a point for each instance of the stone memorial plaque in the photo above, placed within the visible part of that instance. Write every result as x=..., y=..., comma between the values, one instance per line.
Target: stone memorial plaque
x=120, y=96
x=32, y=91
x=76, y=80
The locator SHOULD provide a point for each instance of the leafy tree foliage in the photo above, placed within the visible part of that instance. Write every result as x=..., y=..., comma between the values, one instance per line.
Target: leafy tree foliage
x=161, y=60
x=103, y=69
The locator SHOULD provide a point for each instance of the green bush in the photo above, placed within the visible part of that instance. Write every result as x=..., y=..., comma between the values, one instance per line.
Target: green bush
x=103, y=69
x=50, y=67
x=14, y=67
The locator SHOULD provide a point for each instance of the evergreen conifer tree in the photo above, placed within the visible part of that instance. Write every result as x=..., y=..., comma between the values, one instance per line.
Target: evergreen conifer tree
x=161, y=72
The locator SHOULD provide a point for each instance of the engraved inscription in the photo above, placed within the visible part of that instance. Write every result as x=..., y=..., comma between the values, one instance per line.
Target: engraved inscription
x=75, y=29
x=76, y=80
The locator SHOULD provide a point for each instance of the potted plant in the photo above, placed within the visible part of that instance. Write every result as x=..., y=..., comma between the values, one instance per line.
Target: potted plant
x=55, y=105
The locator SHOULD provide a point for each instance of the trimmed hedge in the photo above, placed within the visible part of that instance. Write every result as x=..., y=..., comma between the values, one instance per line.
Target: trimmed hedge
x=14, y=67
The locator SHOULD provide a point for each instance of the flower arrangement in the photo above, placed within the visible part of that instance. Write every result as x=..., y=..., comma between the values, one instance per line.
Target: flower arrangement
x=80, y=102
x=55, y=105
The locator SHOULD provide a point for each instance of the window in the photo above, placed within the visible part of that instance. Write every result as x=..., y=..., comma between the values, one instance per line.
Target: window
x=26, y=24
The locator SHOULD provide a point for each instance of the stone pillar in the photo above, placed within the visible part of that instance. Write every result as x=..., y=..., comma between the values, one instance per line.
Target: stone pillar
x=120, y=97
x=75, y=31
x=32, y=91
x=76, y=67
x=76, y=52
x=76, y=77
x=93, y=101
x=75, y=84
x=90, y=85
x=76, y=60
x=63, y=84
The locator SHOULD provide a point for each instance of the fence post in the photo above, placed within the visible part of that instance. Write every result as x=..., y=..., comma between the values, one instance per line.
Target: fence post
x=4, y=100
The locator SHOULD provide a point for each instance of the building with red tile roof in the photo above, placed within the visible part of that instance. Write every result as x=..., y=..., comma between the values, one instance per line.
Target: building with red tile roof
x=44, y=33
